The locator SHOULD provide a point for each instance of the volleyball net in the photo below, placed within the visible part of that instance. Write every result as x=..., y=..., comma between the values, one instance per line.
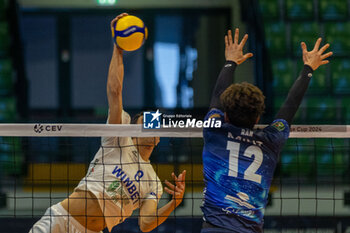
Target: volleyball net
x=41, y=164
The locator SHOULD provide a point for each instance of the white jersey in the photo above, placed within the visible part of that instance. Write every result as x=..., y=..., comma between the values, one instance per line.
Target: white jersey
x=120, y=179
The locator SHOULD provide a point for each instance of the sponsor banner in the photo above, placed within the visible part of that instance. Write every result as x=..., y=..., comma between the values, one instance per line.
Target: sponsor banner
x=157, y=120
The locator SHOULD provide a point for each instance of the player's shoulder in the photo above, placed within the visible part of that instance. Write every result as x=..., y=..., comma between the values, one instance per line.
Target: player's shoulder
x=126, y=119
x=114, y=141
x=215, y=113
x=279, y=128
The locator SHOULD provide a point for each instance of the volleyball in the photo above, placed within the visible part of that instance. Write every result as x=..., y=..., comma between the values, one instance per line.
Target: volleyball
x=129, y=33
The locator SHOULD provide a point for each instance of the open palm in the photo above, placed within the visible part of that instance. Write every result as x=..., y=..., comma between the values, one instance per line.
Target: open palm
x=234, y=50
x=315, y=58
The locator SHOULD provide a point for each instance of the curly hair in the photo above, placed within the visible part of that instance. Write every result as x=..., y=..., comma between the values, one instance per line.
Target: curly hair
x=243, y=104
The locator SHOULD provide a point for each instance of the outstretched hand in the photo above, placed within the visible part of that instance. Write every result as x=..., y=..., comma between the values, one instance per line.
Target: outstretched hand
x=315, y=58
x=113, y=23
x=234, y=50
x=177, y=190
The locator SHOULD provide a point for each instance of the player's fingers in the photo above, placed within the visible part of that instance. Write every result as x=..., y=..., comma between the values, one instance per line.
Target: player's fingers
x=184, y=176
x=174, y=177
x=246, y=56
x=236, y=36
x=178, y=195
x=117, y=18
x=113, y=22
x=172, y=186
x=324, y=48
x=303, y=47
x=183, y=179
x=180, y=185
x=229, y=36
x=169, y=191
x=226, y=41
x=122, y=15
x=317, y=44
x=178, y=190
x=324, y=56
x=178, y=182
x=179, y=179
x=324, y=62
x=244, y=40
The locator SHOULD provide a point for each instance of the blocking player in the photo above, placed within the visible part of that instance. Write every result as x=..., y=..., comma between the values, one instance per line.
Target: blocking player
x=239, y=161
x=119, y=180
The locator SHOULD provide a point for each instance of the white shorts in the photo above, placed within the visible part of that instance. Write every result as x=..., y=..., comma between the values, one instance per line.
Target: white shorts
x=57, y=220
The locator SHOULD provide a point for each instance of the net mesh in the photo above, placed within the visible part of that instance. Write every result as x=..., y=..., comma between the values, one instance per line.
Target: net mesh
x=310, y=191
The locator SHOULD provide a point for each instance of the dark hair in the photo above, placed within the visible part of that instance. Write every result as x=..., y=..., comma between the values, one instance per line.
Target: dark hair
x=243, y=104
x=136, y=117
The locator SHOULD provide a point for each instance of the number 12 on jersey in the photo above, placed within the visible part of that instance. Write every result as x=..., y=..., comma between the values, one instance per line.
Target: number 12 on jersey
x=249, y=173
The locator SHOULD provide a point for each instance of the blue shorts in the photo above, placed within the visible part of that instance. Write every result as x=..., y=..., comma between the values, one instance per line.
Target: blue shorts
x=217, y=219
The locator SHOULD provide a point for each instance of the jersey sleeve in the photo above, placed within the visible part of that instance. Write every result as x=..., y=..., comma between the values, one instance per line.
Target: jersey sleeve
x=156, y=191
x=278, y=133
x=115, y=141
x=215, y=114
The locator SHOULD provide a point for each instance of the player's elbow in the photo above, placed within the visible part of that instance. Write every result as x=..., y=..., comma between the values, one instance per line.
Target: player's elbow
x=145, y=226
x=143, y=229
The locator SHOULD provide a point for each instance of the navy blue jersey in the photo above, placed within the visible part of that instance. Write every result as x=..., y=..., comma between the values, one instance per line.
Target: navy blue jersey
x=239, y=165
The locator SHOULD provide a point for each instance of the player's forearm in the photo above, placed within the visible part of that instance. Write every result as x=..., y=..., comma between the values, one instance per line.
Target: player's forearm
x=148, y=223
x=225, y=79
x=295, y=95
x=115, y=73
x=115, y=86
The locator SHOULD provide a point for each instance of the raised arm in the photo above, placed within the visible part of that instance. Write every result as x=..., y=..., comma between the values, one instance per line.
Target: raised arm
x=150, y=216
x=312, y=60
x=115, y=81
x=234, y=56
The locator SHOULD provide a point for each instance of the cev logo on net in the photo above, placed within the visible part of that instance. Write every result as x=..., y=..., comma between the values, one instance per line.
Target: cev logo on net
x=38, y=128
x=152, y=120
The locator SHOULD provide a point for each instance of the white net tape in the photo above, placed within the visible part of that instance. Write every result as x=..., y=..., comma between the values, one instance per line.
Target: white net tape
x=127, y=130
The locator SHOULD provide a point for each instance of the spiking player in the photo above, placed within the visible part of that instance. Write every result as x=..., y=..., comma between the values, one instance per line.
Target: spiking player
x=120, y=178
x=239, y=162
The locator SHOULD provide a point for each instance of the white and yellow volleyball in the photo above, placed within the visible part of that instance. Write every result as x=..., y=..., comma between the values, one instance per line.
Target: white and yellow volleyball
x=130, y=33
